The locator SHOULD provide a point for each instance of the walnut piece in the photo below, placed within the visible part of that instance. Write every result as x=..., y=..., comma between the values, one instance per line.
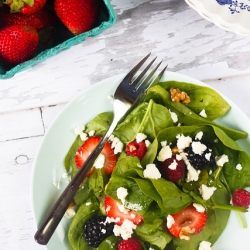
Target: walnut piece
x=179, y=96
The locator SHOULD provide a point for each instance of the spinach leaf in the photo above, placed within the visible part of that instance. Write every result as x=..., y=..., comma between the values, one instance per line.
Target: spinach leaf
x=84, y=213
x=110, y=243
x=202, y=97
x=156, y=236
x=135, y=200
x=100, y=123
x=187, y=116
x=148, y=118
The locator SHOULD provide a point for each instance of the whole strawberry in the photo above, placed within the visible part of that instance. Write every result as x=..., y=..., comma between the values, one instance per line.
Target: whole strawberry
x=39, y=20
x=241, y=198
x=79, y=15
x=129, y=244
x=26, y=7
x=18, y=44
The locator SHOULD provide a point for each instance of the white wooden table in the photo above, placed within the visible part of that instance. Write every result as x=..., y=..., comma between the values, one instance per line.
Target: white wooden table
x=31, y=100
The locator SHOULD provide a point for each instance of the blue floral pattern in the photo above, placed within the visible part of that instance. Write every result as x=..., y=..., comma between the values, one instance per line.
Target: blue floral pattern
x=235, y=6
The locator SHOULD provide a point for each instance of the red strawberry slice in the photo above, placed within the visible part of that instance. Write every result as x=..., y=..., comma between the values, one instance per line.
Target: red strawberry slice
x=135, y=148
x=113, y=211
x=88, y=146
x=187, y=222
x=241, y=198
x=130, y=244
x=175, y=172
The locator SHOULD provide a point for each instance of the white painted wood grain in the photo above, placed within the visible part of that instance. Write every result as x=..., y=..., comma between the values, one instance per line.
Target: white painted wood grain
x=21, y=124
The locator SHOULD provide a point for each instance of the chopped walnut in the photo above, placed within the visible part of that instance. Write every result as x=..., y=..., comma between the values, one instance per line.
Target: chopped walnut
x=179, y=96
x=186, y=232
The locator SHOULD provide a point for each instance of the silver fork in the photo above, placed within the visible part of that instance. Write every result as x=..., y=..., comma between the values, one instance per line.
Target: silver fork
x=129, y=93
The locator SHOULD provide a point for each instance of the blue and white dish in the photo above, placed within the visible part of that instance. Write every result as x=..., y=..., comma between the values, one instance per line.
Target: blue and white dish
x=231, y=15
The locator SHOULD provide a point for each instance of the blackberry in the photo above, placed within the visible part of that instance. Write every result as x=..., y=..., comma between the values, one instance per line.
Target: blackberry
x=96, y=230
x=200, y=161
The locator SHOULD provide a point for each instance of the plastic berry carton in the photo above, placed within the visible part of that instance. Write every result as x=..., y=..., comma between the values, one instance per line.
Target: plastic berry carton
x=64, y=40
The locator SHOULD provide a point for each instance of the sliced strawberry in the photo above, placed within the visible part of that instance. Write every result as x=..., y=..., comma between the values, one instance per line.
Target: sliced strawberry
x=241, y=198
x=130, y=244
x=187, y=222
x=88, y=146
x=135, y=148
x=112, y=210
x=172, y=169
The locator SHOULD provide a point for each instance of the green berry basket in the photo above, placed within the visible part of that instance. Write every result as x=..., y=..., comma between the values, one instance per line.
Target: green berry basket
x=64, y=40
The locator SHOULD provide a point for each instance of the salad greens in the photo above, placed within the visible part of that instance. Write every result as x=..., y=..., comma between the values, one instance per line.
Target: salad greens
x=159, y=197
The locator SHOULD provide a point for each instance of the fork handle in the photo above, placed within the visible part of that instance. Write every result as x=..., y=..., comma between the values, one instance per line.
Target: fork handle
x=50, y=223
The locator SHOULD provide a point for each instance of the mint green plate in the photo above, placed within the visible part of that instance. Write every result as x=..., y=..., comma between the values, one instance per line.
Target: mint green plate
x=65, y=40
x=60, y=136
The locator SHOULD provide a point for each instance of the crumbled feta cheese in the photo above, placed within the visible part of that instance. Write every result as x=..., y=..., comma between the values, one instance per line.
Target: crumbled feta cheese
x=70, y=213
x=64, y=175
x=118, y=147
x=151, y=172
x=122, y=208
x=199, y=136
x=122, y=193
x=178, y=157
x=125, y=230
x=99, y=162
x=165, y=153
x=183, y=141
x=111, y=138
x=110, y=220
x=148, y=143
x=164, y=143
x=203, y=113
x=115, y=140
x=205, y=245
x=83, y=136
x=173, y=165
x=79, y=129
x=91, y=133
x=199, y=207
x=198, y=147
x=239, y=166
x=173, y=116
x=103, y=231
x=208, y=156
x=206, y=192
x=170, y=221
x=140, y=137
x=192, y=174
x=221, y=160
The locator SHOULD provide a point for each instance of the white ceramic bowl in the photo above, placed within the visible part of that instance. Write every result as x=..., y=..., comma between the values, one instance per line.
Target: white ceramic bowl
x=231, y=15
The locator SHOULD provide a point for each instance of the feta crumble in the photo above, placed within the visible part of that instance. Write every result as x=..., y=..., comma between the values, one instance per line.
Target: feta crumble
x=183, y=141
x=140, y=137
x=206, y=192
x=151, y=172
x=125, y=230
x=192, y=174
x=170, y=221
x=99, y=162
x=205, y=245
x=238, y=167
x=203, y=113
x=199, y=136
x=165, y=153
x=173, y=165
x=198, y=147
x=199, y=207
x=70, y=213
x=173, y=116
x=122, y=193
x=116, y=144
x=221, y=160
